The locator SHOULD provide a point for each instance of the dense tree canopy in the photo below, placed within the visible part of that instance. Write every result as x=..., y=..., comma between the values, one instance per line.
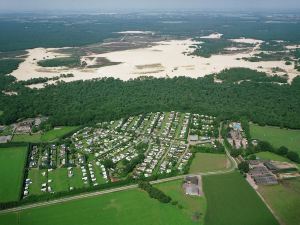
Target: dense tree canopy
x=82, y=102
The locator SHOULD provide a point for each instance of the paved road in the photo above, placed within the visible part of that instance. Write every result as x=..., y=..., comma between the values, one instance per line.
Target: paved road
x=97, y=193
x=128, y=187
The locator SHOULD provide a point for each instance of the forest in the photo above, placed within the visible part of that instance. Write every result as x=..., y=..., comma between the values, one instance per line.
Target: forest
x=84, y=102
x=46, y=30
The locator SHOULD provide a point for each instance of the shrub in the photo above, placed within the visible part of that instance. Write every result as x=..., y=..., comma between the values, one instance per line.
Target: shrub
x=293, y=156
x=282, y=150
x=244, y=167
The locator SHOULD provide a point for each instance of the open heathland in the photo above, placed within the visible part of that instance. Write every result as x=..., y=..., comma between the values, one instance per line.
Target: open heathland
x=12, y=163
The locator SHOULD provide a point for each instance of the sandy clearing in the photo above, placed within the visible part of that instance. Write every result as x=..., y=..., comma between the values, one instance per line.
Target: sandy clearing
x=247, y=40
x=165, y=58
x=212, y=36
x=292, y=47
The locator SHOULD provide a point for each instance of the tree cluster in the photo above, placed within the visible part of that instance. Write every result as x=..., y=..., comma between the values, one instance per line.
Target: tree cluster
x=154, y=192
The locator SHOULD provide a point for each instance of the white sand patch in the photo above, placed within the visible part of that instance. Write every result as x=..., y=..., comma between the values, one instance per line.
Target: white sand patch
x=169, y=56
x=247, y=40
x=212, y=36
x=166, y=58
x=292, y=47
x=232, y=49
x=30, y=68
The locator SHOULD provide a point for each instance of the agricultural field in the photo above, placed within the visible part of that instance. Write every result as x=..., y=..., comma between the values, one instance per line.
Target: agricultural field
x=209, y=162
x=284, y=199
x=231, y=200
x=47, y=136
x=119, y=208
x=12, y=162
x=276, y=136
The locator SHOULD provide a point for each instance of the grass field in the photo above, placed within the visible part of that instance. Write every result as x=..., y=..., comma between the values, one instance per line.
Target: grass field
x=37, y=180
x=132, y=207
x=56, y=133
x=12, y=162
x=231, y=200
x=34, y=138
x=47, y=136
x=276, y=136
x=76, y=180
x=284, y=199
x=275, y=157
x=208, y=162
x=190, y=204
x=59, y=179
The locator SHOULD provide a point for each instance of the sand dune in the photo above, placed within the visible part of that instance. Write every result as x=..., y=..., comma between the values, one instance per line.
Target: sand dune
x=166, y=58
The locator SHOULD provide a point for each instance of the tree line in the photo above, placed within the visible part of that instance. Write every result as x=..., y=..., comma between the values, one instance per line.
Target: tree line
x=154, y=192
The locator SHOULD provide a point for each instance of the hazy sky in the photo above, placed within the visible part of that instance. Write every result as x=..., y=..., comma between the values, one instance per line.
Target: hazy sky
x=111, y=5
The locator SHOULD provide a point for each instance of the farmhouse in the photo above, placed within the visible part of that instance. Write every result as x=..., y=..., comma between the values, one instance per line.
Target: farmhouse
x=193, y=185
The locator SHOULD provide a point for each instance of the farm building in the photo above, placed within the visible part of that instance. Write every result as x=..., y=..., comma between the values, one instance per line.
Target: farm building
x=193, y=185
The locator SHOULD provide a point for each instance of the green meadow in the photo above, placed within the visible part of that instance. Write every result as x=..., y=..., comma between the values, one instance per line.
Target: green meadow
x=47, y=136
x=276, y=136
x=275, y=157
x=231, y=200
x=284, y=199
x=208, y=162
x=12, y=162
x=224, y=196
x=132, y=207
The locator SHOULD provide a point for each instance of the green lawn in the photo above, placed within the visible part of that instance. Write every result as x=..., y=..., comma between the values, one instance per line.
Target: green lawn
x=276, y=136
x=272, y=156
x=132, y=207
x=284, y=199
x=47, y=136
x=59, y=179
x=76, y=180
x=208, y=162
x=231, y=201
x=56, y=133
x=37, y=180
x=34, y=138
x=12, y=162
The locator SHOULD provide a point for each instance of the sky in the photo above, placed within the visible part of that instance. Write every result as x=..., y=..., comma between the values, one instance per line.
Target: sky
x=112, y=5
